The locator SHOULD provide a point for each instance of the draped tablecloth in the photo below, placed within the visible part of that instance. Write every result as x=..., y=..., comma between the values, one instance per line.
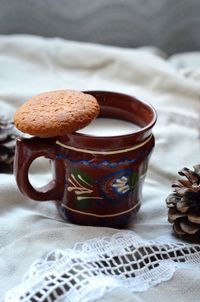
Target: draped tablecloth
x=28, y=229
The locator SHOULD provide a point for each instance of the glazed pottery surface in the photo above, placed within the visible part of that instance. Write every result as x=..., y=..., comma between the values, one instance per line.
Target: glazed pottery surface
x=97, y=180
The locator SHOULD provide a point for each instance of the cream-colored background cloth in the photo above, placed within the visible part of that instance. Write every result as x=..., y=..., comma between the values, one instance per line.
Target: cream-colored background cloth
x=30, y=65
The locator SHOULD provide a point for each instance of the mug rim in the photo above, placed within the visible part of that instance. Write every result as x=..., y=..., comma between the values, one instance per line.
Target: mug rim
x=101, y=144
x=141, y=130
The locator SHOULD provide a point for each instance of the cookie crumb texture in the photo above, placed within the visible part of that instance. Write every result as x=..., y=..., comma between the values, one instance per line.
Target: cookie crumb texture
x=56, y=113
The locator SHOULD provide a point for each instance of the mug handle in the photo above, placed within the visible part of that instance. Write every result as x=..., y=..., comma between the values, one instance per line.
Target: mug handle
x=26, y=151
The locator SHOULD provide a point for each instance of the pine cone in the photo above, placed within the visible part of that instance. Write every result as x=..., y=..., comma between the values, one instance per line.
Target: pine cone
x=8, y=135
x=184, y=203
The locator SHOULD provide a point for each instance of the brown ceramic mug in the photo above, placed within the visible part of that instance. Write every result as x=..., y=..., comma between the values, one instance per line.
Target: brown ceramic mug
x=97, y=180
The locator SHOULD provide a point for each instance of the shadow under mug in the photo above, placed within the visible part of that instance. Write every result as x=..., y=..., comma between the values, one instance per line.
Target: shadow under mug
x=95, y=180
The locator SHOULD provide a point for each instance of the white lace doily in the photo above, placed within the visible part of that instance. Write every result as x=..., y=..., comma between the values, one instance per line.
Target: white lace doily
x=96, y=266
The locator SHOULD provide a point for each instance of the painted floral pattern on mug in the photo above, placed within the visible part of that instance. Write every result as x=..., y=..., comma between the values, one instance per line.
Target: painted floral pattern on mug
x=114, y=187
x=83, y=187
x=123, y=184
x=118, y=184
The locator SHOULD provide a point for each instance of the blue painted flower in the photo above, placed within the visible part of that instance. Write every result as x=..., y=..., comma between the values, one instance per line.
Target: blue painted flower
x=121, y=185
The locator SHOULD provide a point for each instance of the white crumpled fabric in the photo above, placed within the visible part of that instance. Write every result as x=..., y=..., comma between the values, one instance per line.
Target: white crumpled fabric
x=29, y=229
